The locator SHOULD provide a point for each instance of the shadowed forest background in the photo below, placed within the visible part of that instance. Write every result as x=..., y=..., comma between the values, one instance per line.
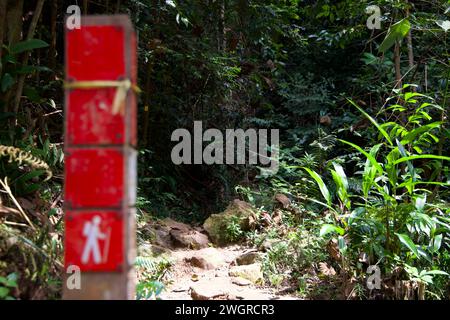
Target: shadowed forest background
x=364, y=139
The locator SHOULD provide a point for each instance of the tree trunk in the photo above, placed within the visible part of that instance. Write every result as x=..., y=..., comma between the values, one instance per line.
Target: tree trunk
x=410, y=47
x=221, y=27
x=2, y=30
x=52, y=49
x=398, y=74
x=21, y=82
x=14, y=21
x=14, y=34
x=146, y=115
x=85, y=7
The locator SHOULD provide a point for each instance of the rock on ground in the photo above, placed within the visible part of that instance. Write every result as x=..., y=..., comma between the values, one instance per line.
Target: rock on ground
x=251, y=272
x=208, y=259
x=216, y=224
x=171, y=234
x=205, y=290
x=240, y=281
x=248, y=257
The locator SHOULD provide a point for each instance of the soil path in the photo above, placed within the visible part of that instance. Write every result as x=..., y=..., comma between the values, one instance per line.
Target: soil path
x=212, y=273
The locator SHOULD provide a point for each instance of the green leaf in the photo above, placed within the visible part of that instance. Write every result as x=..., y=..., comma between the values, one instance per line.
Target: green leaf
x=7, y=82
x=340, y=179
x=341, y=174
x=437, y=241
x=395, y=33
x=369, y=171
x=402, y=151
x=3, y=292
x=420, y=202
x=422, y=156
x=371, y=158
x=32, y=94
x=329, y=228
x=374, y=122
x=342, y=245
x=27, y=45
x=444, y=24
x=412, y=135
x=406, y=240
x=323, y=188
x=438, y=272
x=369, y=58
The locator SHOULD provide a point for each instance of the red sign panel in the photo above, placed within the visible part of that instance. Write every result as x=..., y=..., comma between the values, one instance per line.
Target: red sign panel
x=94, y=178
x=94, y=240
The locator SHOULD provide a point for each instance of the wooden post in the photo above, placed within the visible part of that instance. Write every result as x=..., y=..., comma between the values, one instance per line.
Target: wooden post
x=100, y=157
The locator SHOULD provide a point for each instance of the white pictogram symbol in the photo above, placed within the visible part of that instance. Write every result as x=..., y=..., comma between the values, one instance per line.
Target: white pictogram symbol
x=93, y=235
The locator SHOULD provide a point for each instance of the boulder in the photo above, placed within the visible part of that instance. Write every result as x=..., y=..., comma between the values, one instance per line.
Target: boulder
x=240, y=281
x=172, y=224
x=201, y=262
x=158, y=235
x=207, y=259
x=189, y=239
x=248, y=258
x=216, y=224
x=168, y=233
x=148, y=250
x=251, y=272
x=283, y=200
x=207, y=290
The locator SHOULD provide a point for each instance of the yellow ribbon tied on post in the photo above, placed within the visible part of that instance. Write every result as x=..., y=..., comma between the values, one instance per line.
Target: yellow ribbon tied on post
x=121, y=93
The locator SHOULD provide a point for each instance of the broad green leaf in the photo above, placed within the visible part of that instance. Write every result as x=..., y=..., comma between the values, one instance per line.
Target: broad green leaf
x=444, y=24
x=374, y=122
x=413, y=184
x=329, y=228
x=342, y=245
x=438, y=272
x=406, y=240
x=412, y=135
x=422, y=156
x=369, y=58
x=402, y=151
x=437, y=241
x=424, y=254
x=395, y=33
x=420, y=202
x=371, y=158
x=369, y=171
x=3, y=292
x=32, y=94
x=323, y=188
x=341, y=174
x=27, y=45
x=409, y=95
x=340, y=179
x=7, y=82
x=171, y=3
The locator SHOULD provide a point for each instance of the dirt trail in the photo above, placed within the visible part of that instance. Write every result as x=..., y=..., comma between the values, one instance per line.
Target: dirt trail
x=205, y=274
x=201, y=271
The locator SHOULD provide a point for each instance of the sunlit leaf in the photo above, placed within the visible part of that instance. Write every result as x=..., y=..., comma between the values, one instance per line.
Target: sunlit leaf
x=406, y=240
x=395, y=33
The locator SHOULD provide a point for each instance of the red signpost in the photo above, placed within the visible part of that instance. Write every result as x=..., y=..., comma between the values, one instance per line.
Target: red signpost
x=100, y=165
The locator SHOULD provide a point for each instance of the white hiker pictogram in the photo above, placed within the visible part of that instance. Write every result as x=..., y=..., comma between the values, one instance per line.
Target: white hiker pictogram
x=93, y=235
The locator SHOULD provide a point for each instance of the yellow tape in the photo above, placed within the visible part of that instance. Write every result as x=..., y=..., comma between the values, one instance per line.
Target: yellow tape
x=122, y=88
